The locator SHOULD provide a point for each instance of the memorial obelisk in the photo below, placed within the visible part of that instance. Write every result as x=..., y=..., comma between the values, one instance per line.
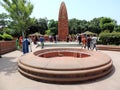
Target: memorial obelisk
x=63, y=23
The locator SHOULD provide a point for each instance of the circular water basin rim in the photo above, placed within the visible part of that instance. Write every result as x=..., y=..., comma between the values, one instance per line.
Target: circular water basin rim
x=64, y=69
x=96, y=59
x=63, y=53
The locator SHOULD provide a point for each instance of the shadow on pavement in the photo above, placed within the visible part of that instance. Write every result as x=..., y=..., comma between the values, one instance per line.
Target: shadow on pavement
x=8, y=65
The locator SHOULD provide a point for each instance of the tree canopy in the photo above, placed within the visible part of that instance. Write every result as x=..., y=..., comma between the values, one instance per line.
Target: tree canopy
x=19, y=12
x=4, y=21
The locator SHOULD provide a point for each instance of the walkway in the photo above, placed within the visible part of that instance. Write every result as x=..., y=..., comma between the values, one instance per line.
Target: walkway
x=11, y=79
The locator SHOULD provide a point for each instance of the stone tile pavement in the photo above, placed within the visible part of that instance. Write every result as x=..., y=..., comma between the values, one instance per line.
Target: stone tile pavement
x=11, y=79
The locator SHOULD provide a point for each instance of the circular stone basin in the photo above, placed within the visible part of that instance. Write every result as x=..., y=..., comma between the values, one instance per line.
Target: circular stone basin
x=62, y=53
x=64, y=65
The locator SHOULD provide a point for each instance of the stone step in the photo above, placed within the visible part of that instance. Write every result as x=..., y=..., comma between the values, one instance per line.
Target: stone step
x=63, y=80
x=64, y=76
x=66, y=71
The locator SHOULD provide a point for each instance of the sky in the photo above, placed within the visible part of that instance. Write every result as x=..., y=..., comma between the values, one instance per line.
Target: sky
x=79, y=9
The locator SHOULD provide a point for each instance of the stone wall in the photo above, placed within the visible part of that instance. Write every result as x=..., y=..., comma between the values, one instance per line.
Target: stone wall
x=7, y=46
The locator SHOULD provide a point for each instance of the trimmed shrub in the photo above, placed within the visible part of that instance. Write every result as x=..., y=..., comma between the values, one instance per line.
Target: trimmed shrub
x=7, y=37
x=110, y=38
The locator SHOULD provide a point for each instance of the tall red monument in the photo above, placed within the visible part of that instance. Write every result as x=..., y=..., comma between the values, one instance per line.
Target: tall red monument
x=63, y=23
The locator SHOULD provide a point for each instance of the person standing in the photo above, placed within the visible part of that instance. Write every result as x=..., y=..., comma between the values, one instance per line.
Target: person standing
x=42, y=41
x=30, y=44
x=17, y=44
x=20, y=42
x=25, y=47
x=55, y=38
x=94, y=41
x=35, y=39
x=67, y=38
x=84, y=41
x=89, y=42
x=50, y=38
x=79, y=39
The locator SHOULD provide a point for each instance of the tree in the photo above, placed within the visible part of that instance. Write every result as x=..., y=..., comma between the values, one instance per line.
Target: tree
x=19, y=11
x=73, y=26
x=94, y=25
x=77, y=26
x=4, y=20
x=107, y=24
x=84, y=25
x=117, y=28
x=53, y=26
x=40, y=26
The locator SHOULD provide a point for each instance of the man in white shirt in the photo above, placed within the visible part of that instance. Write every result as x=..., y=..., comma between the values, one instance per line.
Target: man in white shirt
x=94, y=41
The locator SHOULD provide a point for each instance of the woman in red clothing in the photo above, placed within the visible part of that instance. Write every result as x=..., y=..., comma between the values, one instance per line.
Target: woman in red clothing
x=84, y=41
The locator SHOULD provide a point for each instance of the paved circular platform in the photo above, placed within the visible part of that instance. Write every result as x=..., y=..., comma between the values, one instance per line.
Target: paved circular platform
x=68, y=68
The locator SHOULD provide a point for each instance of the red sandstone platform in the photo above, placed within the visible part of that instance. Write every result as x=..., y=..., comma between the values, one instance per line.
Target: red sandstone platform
x=68, y=68
x=108, y=47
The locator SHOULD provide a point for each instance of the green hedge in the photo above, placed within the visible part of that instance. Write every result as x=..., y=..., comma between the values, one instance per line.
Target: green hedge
x=7, y=37
x=110, y=38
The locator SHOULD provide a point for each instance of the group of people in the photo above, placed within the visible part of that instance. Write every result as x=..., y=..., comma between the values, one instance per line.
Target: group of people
x=53, y=38
x=41, y=39
x=24, y=44
x=88, y=41
x=38, y=39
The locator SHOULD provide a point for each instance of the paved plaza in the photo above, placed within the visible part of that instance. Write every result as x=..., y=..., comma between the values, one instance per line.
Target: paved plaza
x=11, y=79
